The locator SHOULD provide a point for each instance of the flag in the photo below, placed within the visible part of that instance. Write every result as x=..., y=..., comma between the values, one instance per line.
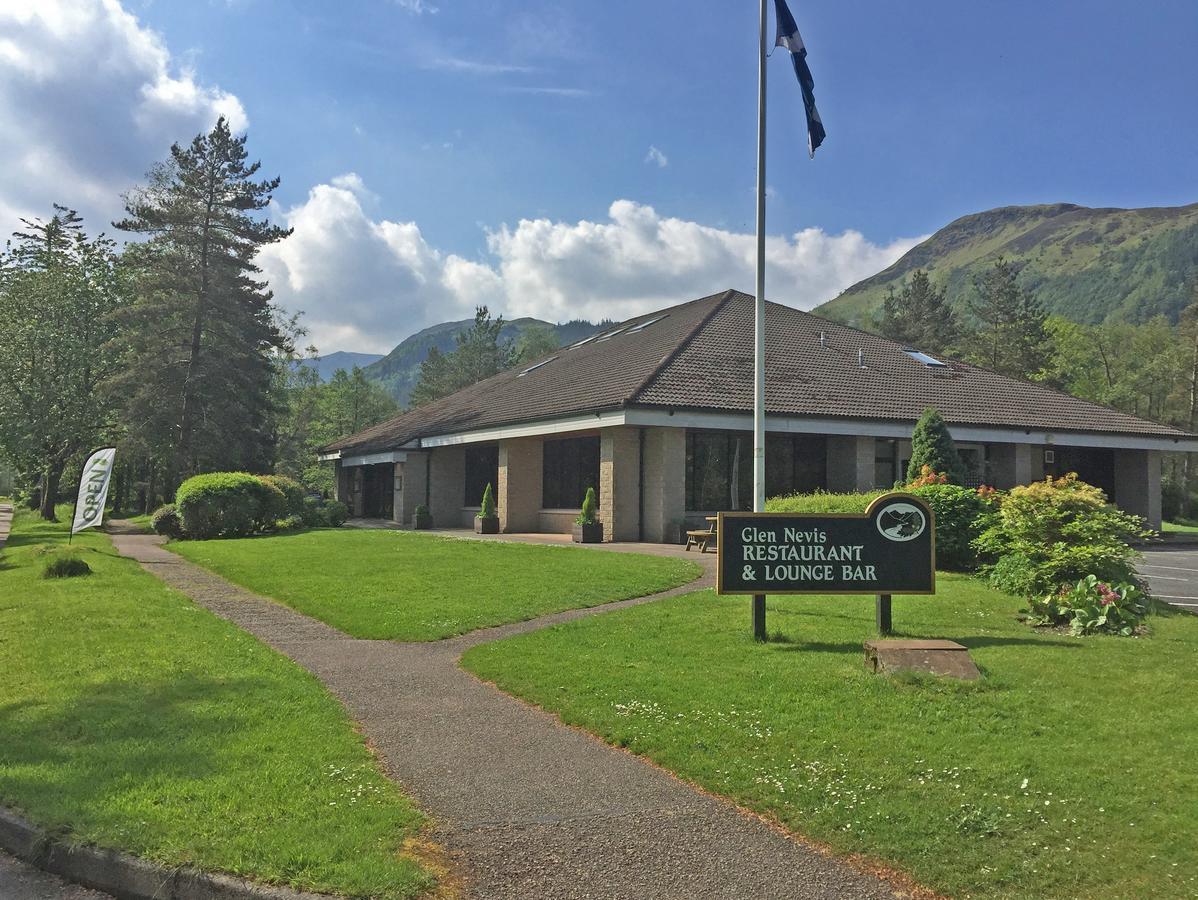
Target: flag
x=789, y=38
x=93, y=490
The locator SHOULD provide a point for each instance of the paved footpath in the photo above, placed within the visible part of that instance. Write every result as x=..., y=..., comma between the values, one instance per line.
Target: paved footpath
x=526, y=806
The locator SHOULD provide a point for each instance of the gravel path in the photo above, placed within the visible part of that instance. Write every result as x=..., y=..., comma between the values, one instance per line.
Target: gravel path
x=527, y=807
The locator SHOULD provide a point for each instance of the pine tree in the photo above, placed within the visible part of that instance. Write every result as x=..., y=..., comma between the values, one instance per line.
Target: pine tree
x=1013, y=338
x=58, y=290
x=478, y=354
x=920, y=316
x=932, y=446
x=198, y=367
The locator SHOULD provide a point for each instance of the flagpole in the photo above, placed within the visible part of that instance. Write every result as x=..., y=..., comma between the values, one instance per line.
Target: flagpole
x=759, y=318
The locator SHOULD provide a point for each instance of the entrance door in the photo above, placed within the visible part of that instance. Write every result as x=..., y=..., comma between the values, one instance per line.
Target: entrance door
x=378, y=493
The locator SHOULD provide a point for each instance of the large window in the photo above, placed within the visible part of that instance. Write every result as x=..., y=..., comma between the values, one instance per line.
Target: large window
x=482, y=468
x=570, y=467
x=719, y=467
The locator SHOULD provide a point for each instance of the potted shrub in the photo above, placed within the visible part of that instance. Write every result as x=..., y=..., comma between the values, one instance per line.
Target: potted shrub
x=487, y=519
x=422, y=518
x=587, y=527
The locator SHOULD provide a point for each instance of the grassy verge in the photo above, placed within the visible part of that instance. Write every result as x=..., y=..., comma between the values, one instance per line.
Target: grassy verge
x=1067, y=772
x=131, y=718
x=1180, y=527
x=420, y=587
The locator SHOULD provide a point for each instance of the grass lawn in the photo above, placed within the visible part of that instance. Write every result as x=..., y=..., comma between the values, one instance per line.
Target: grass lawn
x=1183, y=527
x=131, y=718
x=1069, y=771
x=410, y=586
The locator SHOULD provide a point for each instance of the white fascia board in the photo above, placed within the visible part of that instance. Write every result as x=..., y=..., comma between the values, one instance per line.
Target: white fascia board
x=329, y=457
x=887, y=429
x=584, y=422
x=371, y=459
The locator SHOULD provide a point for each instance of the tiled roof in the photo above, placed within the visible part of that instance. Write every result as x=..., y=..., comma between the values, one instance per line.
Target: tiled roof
x=700, y=357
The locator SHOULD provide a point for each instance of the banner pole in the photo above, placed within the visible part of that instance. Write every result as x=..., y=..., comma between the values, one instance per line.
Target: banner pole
x=759, y=631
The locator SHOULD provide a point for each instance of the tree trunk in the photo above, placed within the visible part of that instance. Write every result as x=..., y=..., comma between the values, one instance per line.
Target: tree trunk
x=50, y=482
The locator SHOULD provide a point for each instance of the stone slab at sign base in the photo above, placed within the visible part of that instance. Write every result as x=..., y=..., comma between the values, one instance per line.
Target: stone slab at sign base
x=947, y=658
x=127, y=877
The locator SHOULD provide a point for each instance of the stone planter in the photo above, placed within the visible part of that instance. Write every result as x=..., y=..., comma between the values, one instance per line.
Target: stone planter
x=486, y=526
x=422, y=521
x=588, y=534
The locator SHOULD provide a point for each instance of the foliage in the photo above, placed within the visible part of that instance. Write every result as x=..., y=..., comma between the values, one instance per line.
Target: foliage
x=536, y=341
x=64, y=564
x=928, y=477
x=478, y=354
x=932, y=447
x=335, y=513
x=486, y=509
x=165, y=521
x=138, y=721
x=1011, y=337
x=58, y=290
x=417, y=586
x=920, y=316
x=961, y=516
x=289, y=523
x=1092, y=607
x=1056, y=532
x=821, y=502
x=969, y=789
x=292, y=491
x=199, y=339
x=589, y=514
x=227, y=504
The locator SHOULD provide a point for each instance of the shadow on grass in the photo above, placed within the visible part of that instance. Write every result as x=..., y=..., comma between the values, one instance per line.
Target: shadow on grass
x=790, y=643
x=73, y=762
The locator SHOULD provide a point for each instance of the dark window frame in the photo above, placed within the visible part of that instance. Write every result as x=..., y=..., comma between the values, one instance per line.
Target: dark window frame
x=568, y=467
x=480, y=469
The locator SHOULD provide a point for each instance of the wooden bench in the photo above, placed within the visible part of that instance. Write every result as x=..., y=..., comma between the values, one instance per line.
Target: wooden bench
x=702, y=537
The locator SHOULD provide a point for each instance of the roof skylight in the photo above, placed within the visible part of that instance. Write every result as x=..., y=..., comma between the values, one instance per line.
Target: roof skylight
x=611, y=334
x=536, y=366
x=641, y=326
x=920, y=356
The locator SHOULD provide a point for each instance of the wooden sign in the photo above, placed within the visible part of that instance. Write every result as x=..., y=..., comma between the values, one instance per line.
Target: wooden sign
x=890, y=549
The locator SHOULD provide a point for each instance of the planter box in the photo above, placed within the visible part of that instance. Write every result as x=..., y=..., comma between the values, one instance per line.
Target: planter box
x=588, y=534
x=486, y=526
x=422, y=523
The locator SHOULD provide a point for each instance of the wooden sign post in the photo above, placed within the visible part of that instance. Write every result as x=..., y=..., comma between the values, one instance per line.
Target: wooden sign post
x=889, y=549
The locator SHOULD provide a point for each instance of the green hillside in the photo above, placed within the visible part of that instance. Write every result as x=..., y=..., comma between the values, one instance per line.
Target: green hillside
x=399, y=370
x=1088, y=265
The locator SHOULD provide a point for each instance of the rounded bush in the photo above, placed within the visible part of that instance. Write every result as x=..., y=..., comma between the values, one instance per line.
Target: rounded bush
x=165, y=521
x=293, y=494
x=313, y=513
x=961, y=516
x=336, y=513
x=227, y=504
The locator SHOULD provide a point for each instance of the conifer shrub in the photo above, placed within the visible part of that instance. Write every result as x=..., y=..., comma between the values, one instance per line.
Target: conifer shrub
x=487, y=507
x=932, y=446
x=589, y=514
x=165, y=521
x=227, y=504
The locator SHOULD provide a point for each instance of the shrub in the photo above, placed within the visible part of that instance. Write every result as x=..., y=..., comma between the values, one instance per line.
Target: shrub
x=289, y=523
x=487, y=508
x=292, y=491
x=64, y=564
x=590, y=508
x=1092, y=607
x=932, y=446
x=313, y=513
x=165, y=521
x=961, y=516
x=227, y=504
x=1173, y=499
x=1056, y=532
x=335, y=513
x=821, y=502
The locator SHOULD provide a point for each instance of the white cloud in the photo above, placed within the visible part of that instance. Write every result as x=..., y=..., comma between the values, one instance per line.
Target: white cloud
x=366, y=284
x=95, y=99
x=475, y=66
x=417, y=7
x=656, y=157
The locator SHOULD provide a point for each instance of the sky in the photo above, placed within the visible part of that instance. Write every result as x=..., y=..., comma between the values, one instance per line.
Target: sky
x=588, y=160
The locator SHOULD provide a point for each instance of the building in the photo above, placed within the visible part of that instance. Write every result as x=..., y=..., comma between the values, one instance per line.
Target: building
x=656, y=414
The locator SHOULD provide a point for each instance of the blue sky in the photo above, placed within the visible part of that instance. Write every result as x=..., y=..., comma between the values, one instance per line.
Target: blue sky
x=480, y=146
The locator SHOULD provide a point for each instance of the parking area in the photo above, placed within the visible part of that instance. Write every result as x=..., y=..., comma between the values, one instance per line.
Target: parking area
x=1172, y=575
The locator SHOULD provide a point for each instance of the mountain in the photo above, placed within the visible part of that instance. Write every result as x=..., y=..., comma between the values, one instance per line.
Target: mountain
x=1088, y=265
x=399, y=370
x=326, y=365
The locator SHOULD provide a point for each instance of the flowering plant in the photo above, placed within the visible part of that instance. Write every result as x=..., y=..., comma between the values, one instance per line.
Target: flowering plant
x=1092, y=607
x=989, y=493
x=927, y=476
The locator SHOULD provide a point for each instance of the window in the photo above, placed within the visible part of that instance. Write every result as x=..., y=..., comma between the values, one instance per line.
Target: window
x=482, y=468
x=536, y=366
x=719, y=467
x=641, y=326
x=885, y=458
x=920, y=356
x=569, y=467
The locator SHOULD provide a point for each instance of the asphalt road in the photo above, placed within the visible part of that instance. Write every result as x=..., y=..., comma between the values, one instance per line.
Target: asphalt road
x=1172, y=575
x=21, y=881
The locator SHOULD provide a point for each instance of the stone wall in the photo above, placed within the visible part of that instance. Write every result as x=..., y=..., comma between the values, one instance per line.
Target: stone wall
x=447, y=486
x=619, y=483
x=665, y=483
x=520, y=487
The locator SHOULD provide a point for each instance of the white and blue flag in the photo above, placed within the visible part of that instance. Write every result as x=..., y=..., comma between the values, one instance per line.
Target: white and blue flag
x=789, y=38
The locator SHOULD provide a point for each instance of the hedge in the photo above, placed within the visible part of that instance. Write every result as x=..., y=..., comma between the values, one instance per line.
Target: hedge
x=228, y=504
